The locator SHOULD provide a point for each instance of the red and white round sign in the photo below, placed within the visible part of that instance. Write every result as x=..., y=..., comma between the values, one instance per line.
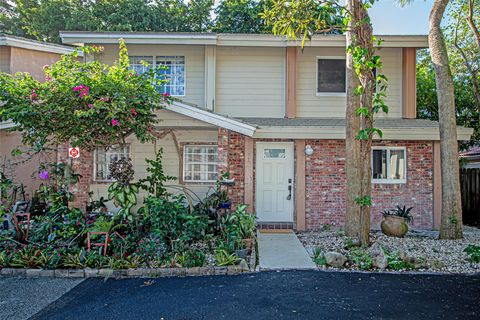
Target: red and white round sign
x=74, y=152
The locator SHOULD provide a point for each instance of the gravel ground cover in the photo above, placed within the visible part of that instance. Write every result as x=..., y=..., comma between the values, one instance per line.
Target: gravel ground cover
x=422, y=247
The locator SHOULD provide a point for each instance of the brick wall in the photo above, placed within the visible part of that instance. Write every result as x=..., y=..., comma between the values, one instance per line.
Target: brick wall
x=231, y=157
x=83, y=166
x=325, y=184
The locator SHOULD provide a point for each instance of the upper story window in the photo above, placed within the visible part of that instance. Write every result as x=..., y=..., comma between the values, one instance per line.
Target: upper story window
x=173, y=71
x=103, y=158
x=389, y=164
x=331, y=76
x=200, y=163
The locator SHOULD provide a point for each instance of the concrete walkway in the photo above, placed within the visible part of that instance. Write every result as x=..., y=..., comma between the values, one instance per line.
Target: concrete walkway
x=280, y=251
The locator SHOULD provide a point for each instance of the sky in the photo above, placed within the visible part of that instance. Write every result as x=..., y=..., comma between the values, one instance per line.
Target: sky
x=389, y=18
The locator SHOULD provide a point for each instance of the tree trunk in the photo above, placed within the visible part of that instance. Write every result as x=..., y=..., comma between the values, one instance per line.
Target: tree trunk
x=358, y=157
x=451, y=216
x=352, y=126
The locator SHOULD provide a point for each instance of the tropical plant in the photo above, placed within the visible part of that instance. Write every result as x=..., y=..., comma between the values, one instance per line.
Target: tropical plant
x=154, y=182
x=473, y=252
x=123, y=192
x=224, y=258
x=400, y=212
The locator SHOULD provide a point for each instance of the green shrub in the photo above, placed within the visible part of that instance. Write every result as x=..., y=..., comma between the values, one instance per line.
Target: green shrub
x=319, y=257
x=360, y=258
x=473, y=252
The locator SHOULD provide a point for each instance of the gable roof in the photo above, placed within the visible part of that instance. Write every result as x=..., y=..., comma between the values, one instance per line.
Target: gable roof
x=19, y=42
x=229, y=39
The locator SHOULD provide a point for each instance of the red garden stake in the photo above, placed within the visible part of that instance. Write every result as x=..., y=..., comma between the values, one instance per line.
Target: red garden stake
x=98, y=244
x=19, y=224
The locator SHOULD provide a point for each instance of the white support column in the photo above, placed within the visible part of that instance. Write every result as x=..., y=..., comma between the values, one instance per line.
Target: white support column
x=210, y=62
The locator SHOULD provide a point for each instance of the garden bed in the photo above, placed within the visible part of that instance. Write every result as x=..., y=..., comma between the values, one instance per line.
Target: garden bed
x=418, y=251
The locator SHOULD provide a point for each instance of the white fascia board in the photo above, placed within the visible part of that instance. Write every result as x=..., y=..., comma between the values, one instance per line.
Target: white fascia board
x=35, y=45
x=211, y=118
x=80, y=38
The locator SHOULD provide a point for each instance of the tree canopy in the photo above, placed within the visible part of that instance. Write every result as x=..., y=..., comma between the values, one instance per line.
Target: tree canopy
x=43, y=19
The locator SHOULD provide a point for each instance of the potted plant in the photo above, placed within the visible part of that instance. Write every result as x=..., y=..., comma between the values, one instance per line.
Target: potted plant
x=395, y=221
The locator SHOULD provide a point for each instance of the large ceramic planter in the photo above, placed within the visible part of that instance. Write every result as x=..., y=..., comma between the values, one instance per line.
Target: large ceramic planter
x=394, y=226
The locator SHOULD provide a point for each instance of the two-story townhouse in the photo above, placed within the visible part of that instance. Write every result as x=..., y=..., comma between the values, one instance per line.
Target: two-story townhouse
x=24, y=55
x=273, y=116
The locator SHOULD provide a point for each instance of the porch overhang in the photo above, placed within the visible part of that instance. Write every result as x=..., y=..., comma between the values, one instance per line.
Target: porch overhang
x=334, y=128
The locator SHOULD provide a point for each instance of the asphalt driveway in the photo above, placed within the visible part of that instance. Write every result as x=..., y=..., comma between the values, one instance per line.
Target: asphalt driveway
x=273, y=295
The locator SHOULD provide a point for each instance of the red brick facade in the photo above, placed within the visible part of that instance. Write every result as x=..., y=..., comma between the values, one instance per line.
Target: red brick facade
x=325, y=180
x=231, y=157
x=325, y=184
x=83, y=166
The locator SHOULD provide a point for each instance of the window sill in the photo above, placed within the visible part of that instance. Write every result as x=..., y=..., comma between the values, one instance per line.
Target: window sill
x=386, y=181
x=331, y=94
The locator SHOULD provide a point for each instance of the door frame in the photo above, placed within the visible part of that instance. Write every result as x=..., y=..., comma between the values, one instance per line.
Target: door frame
x=273, y=144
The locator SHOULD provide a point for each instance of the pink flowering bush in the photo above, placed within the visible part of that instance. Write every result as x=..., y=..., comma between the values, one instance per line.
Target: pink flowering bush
x=88, y=104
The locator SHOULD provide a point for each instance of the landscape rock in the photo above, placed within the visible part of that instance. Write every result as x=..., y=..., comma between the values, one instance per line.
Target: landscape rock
x=379, y=258
x=335, y=259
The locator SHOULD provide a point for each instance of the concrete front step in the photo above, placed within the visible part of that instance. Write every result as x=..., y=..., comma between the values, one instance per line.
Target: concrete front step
x=282, y=251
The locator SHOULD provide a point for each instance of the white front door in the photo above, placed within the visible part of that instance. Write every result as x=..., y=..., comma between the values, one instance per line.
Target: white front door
x=274, y=181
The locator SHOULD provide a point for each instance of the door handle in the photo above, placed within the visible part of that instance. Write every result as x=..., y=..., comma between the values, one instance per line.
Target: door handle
x=289, y=197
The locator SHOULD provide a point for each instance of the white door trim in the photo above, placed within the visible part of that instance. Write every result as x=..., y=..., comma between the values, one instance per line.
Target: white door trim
x=277, y=208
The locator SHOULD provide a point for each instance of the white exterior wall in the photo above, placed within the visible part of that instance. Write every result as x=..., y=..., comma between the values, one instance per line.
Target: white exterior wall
x=194, y=60
x=250, y=82
x=311, y=105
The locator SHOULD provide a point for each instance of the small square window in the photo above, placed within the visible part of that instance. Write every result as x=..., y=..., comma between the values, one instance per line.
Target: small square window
x=274, y=153
x=104, y=157
x=331, y=76
x=389, y=165
x=200, y=163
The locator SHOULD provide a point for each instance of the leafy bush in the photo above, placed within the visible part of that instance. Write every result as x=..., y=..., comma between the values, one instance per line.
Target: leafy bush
x=170, y=220
x=473, y=252
x=151, y=249
x=224, y=258
x=154, y=182
x=360, y=258
x=235, y=227
x=395, y=262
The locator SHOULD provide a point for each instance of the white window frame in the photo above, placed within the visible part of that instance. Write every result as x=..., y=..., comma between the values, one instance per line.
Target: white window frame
x=185, y=146
x=95, y=163
x=330, y=94
x=388, y=180
x=155, y=65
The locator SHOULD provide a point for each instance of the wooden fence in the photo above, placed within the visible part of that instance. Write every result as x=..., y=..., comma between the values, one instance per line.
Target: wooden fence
x=470, y=184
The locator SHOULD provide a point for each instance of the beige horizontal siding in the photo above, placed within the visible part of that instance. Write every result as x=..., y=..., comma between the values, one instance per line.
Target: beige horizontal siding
x=311, y=105
x=170, y=119
x=171, y=161
x=250, y=82
x=194, y=60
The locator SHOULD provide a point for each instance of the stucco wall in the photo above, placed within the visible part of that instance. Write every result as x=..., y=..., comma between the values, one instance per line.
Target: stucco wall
x=20, y=168
x=4, y=59
x=31, y=61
